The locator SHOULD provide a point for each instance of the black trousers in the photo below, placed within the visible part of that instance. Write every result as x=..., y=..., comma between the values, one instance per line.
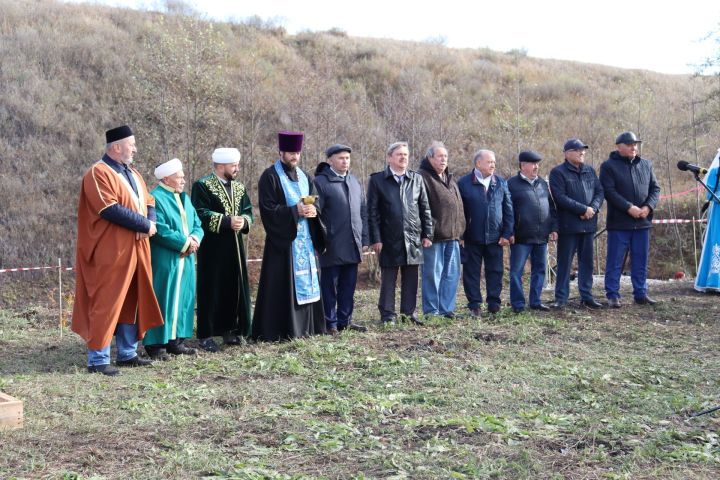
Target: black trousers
x=408, y=290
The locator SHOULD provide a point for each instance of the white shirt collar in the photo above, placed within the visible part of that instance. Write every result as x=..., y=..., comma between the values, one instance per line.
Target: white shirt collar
x=341, y=175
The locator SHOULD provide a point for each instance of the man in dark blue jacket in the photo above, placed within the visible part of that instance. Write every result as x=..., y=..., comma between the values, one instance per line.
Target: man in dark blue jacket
x=535, y=221
x=632, y=193
x=343, y=212
x=578, y=197
x=488, y=228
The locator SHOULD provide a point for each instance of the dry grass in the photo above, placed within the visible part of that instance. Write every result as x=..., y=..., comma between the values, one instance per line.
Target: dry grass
x=569, y=395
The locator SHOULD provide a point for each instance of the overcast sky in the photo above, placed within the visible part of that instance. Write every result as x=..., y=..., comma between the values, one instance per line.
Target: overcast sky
x=661, y=36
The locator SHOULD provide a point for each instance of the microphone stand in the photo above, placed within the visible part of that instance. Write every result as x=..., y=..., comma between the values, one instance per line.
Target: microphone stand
x=699, y=180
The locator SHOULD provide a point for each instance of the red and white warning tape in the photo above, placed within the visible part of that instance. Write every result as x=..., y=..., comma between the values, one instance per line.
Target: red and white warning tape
x=679, y=194
x=664, y=221
x=25, y=269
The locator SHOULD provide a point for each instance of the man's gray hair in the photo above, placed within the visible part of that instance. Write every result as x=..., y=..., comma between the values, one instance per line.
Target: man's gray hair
x=108, y=145
x=431, y=150
x=395, y=146
x=480, y=153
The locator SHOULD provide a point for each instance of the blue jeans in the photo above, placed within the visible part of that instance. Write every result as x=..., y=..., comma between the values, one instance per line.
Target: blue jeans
x=337, y=285
x=519, y=254
x=126, y=342
x=568, y=244
x=619, y=242
x=474, y=255
x=440, y=277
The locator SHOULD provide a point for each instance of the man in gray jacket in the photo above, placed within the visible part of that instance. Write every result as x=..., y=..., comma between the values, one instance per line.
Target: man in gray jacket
x=343, y=212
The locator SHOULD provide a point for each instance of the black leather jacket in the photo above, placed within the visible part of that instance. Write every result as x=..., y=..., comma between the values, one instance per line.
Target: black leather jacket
x=398, y=217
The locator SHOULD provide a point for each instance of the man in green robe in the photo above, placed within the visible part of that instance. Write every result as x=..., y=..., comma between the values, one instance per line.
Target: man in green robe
x=173, y=248
x=224, y=208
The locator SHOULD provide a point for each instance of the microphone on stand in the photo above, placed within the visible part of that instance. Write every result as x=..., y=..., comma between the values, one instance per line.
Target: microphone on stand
x=689, y=167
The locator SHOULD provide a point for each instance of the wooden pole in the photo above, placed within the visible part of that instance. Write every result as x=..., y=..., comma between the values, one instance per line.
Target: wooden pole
x=60, y=295
x=695, y=247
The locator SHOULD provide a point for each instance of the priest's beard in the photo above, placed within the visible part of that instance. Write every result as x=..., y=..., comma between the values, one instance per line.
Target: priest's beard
x=229, y=177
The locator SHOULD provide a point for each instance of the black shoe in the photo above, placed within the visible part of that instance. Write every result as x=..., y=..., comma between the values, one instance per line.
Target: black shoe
x=105, y=369
x=493, y=308
x=558, y=305
x=136, y=361
x=450, y=315
x=332, y=331
x=518, y=309
x=180, y=349
x=614, y=303
x=592, y=303
x=357, y=328
x=541, y=307
x=387, y=321
x=209, y=345
x=645, y=301
x=232, y=340
x=414, y=319
x=475, y=312
x=157, y=352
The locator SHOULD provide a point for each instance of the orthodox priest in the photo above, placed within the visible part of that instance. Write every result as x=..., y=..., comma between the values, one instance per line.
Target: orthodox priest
x=288, y=301
x=173, y=248
x=224, y=208
x=113, y=289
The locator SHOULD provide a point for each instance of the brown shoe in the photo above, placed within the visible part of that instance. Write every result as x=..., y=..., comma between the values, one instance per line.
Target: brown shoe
x=614, y=303
x=332, y=331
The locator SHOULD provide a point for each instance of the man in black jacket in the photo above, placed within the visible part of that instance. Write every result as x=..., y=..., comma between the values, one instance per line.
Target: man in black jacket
x=578, y=197
x=343, y=212
x=535, y=221
x=632, y=193
x=400, y=226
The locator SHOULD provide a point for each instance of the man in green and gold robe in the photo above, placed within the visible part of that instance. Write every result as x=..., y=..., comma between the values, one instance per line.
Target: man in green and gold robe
x=173, y=248
x=225, y=210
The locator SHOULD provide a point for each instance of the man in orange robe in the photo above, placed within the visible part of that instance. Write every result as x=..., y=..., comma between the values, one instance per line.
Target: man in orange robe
x=114, y=291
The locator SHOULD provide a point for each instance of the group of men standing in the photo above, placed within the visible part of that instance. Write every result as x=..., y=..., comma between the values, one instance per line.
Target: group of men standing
x=136, y=249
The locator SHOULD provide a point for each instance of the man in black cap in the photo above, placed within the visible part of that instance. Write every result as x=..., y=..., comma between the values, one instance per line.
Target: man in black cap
x=535, y=221
x=343, y=212
x=632, y=193
x=114, y=292
x=578, y=197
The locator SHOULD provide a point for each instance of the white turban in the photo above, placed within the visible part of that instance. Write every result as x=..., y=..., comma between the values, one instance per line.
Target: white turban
x=226, y=155
x=171, y=167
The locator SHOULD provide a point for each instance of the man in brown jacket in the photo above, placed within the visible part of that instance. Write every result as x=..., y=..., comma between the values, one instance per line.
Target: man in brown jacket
x=441, y=270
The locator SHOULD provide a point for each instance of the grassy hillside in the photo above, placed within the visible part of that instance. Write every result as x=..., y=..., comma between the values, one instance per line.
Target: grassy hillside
x=186, y=86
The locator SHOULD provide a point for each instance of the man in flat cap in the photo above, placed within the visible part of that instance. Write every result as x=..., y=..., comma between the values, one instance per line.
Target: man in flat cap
x=632, y=193
x=224, y=208
x=535, y=222
x=578, y=197
x=489, y=226
x=441, y=260
x=113, y=290
x=400, y=227
x=288, y=300
x=343, y=212
x=173, y=248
